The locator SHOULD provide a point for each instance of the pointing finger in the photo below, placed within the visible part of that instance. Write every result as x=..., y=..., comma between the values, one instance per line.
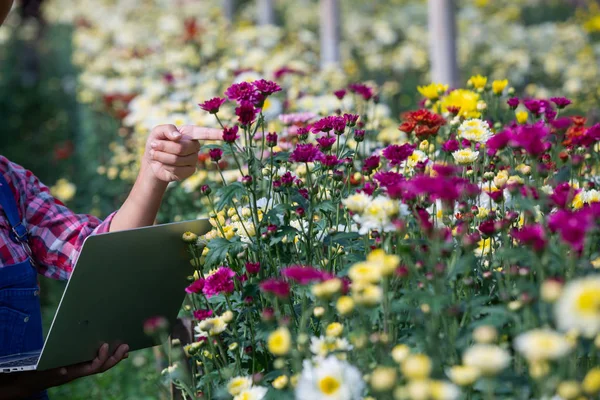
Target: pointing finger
x=202, y=133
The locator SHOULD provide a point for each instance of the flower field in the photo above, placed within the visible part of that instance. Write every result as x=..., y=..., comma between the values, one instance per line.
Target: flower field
x=375, y=235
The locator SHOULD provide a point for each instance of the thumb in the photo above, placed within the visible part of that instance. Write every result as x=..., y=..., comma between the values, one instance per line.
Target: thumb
x=166, y=132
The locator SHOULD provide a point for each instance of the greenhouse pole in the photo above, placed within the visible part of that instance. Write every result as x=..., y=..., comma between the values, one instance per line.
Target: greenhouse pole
x=266, y=12
x=442, y=42
x=228, y=7
x=330, y=33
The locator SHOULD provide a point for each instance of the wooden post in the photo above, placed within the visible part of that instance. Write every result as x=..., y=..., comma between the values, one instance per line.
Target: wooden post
x=228, y=9
x=442, y=42
x=266, y=12
x=330, y=33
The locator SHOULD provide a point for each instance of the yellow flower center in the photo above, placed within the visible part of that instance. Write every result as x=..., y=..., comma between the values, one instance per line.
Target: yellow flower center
x=588, y=302
x=329, y=385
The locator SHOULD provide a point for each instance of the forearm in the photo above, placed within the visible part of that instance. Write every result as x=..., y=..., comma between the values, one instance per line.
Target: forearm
x=142, y=204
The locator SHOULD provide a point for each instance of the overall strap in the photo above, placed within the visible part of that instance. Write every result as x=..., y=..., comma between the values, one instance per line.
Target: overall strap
x=8, y=203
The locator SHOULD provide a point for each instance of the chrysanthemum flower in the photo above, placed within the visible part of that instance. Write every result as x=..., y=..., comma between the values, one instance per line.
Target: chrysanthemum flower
x=329, y=379
x=465, y=156
x=488, y=359
x=579, y=306
x=432, y=91
x=213, y=105
x=542, y=345
x=475, y=130
x=219, y=282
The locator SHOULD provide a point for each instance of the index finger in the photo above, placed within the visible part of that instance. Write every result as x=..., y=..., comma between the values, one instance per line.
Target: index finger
x=201, y=133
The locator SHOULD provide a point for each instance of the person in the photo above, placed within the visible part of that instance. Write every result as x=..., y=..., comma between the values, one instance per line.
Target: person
x=39, y=234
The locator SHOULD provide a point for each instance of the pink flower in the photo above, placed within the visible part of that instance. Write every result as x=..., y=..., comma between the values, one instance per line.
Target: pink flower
x=396, y=154
x=271, y=139
x=297, y=118
x=563, y=195
x=243, y=92
x=488, y=228
x=513, y=102
x=267, y=88
x=326, y=124
x=306, y=153
x=277, y=287
x=212, y=106
x=196, y=286
x=532, y=235
x=388, y=178
x=302, y=274
x=531, y=138
x=219, y=282
x=326, y=142
x=202, y=314
x=498, y=142
x=230, y=134
x=450, y=145
x=572, y=226
x=561, y=102
x=330, y=161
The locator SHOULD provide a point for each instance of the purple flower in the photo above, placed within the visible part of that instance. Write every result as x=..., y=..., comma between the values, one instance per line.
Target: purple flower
x=303, y=274
x=302, y=133
x=338, y=124
x=561, y=102
x=246, y=112
x=513, y=102
x=271, y=139
x=212, y=106
x=370, y=164
x=219, y=282
x=215, y=154
x=340, y=94
x=369, y=188
x=306, y=153
x=287, y=179
x=534, y=106
x=330, y=161
x=267, y=88
x=326, y=142
x=396, y=154
x=243, y=91
x=230, y=134
x=450, y=145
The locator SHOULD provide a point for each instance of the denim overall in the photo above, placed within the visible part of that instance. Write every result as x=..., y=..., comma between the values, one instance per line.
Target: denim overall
x=20, y=314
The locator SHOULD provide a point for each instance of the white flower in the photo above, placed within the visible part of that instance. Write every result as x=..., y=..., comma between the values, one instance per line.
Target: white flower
x=330, y=379
x=542, y=344
x=213, y=326
x=254, y=393
x=488, y=359
x=579, y=306
x=475, y=130
x=465, y=156
x=357, y=202
x=238, y=384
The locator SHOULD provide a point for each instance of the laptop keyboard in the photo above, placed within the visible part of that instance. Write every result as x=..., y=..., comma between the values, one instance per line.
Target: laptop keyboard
x=23, y=362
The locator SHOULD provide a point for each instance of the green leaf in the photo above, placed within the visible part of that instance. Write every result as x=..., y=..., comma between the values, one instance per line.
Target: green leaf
x=220, y=247
x=341, y=238
x=227, y=193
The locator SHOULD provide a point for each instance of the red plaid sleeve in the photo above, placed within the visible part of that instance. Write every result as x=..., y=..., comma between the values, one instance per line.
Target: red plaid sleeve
x=56, y=233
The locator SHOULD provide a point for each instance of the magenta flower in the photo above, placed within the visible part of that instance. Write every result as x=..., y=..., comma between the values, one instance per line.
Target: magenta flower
x=219, y=282
x=513, y=102
x=271, y=139
x=369, y=188
x=561, y=102
x=563, y=195
x=330, y=161
x=201, y=315
x=497, y=196
x=397, y=154
x=230, y=134
x=246, y=112
x=361, y=89
x=302, y=133
x=306, y=153
x=340, y=94
x=302, y=274
x=591, y=136
x=277, y=287
x=572, y=226
x=561, y=123
x=531, y=235
x=297, y=118
x=252, y=268
x=215, y=154
x=267, y=88
x=243, y=91
x=450, y=145
x=371, y=163
x=388, y=178
x=359, y=135
x=213, y=105
x=445, y=170
x=287, y=179
x=498, y=142
x=440, y=187
x=326, y=142
x=534, y=106
x=488, y=227
x=351, y=119
x=196, y=286
x=531, y=138
x=326, y=124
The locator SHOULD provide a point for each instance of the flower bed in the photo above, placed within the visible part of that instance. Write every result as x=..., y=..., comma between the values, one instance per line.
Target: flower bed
x=462, y=263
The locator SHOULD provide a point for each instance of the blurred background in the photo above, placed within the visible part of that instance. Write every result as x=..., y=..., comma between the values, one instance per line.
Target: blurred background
x=82, y=83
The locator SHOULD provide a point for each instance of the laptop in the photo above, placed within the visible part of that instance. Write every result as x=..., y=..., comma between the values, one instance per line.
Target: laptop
x=121, y=279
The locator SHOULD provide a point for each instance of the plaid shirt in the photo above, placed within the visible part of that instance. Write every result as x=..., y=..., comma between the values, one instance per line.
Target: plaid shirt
x=56, y=234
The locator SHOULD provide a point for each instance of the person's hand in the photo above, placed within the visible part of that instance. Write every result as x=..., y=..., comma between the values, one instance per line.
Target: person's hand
x=23, y=384
x=172, y=153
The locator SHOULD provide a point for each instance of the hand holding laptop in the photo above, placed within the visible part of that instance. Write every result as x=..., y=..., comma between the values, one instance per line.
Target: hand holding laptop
x=24, y=384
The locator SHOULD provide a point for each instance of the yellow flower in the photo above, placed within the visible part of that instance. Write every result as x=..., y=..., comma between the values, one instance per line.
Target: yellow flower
x=466, y=100
x=189, y=237
x=521, y=116
x=596, y=262
x=63, y=190
x=433, y=90
x=478, y=81
x=366, y=294
x=538, y=369
x=551, y=290
x=418, y=389
x=280, y=382
x=498, y=86
x=334, y=329
x=383, y=379
x=365, y=272
x=568, y=390
x=279, y=341
x=465, y=156
x=443, y=391
x=591, y=382
x=541, y=345
x=400, y=352
x=579, y=306
x=345, y=305
x=463, y=375
x=213, y=326
x=327, y=289
x=319, y=312
x=488, y=359
x=485, y=334
x=238, y=384
x=387, y=263
x=416, y=366
x=484, y=246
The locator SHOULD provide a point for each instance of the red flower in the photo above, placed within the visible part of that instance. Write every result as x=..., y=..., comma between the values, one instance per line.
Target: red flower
x=422, y=122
